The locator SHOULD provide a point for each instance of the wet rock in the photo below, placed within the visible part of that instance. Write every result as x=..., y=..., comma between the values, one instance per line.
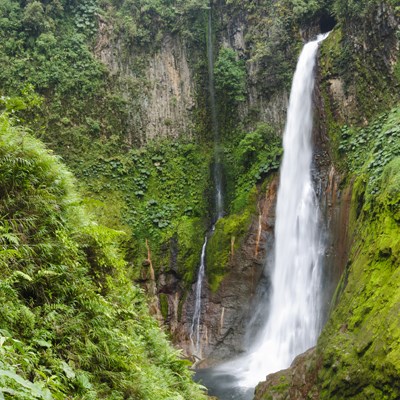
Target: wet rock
x=294, y=383
x=226, y=313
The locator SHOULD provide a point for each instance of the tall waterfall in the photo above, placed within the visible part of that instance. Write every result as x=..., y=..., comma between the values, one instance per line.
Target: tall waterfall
x=294, y=318
x=293, y=323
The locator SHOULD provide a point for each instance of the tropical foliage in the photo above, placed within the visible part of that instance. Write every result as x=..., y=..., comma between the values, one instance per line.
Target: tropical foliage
x=72, y=324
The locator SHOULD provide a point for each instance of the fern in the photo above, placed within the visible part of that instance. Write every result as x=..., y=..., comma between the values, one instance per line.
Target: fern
x=73, y=324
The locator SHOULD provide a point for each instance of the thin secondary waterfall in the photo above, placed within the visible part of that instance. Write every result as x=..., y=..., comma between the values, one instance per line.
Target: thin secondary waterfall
x=218, y=195
x=195, y=327
x=294, y=318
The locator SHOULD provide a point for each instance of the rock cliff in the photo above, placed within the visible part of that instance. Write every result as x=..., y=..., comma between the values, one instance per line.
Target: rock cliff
x=164, y=86
x=159, y=87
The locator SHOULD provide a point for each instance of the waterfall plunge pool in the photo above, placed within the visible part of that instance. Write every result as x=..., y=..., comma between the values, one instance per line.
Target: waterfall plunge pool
x=222, y=385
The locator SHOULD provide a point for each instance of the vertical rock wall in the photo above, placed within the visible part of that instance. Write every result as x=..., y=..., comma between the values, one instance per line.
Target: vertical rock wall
x=170, y=99
x=159, y=87
x=258, y=106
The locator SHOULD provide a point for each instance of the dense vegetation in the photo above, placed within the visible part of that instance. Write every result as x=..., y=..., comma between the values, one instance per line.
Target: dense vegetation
x=72, y=324
x=359, y=345
x=149, y=190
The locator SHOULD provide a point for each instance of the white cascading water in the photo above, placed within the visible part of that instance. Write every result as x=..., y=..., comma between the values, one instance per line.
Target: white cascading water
x=293, y=323
x=195, y=327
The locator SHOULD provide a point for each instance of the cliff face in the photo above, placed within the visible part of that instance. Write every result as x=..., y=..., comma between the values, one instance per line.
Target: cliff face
x=165, y=91
x=166, y=94
x=240, y=27
x=165, y=84
x=159, y=88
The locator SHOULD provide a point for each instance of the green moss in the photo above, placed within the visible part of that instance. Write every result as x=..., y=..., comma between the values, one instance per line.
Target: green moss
x=357, y=198
x=331, y=49
x=181, y=303
x=359, y=345
x=164, y=305
x=397, y=72
x=282, y=386
x=328, y=62
x=277, y=388
x=190, y=231
x=390, y=196
x=226, y=240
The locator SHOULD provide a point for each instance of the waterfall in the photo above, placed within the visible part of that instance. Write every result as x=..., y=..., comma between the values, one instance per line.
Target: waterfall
x=195, y=327
x=294, y=319
x=218, y=195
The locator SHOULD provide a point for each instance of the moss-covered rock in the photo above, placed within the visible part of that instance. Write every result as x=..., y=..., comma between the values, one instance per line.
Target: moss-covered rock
x=360, y=344
x=226, y=239
x=358, y=353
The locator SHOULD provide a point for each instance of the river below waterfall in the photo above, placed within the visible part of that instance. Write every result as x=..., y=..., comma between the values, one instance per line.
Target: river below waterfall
x=223, y=385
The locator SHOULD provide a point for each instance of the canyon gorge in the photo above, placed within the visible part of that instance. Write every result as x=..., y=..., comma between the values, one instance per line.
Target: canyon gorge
x=145, y=237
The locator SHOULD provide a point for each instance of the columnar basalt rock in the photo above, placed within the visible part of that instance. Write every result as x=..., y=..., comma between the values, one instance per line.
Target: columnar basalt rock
x=159, y=87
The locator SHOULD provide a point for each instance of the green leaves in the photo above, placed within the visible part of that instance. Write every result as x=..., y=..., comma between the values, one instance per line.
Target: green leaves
x=26, y=388
x=34, y=19
x=230, y=76
x=85, y=16
x=159, y=184
x=143, y=22
x=249, y=147
x=250, y=160
x=372, y=148
x=73, y=324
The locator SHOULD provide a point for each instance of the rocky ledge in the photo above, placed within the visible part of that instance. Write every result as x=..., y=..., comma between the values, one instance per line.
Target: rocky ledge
x=294, y=383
